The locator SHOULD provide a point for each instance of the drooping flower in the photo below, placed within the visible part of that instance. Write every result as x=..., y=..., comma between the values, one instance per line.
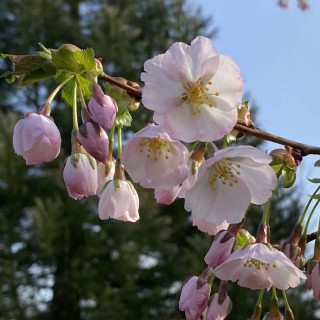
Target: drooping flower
x=193, y=91
x=258, y=266
x=119, y=200
x=194, y=298
x=155, y=160
x=218, y=310
x=102, y=108
x=94, y=139
x=80, y=175
x=220, y=249
x=36, y=138
x=228, y=182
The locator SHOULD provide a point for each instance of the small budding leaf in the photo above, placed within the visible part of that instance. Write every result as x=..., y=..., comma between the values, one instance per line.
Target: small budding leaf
x=317, y=163
x=124, y=119
x=314, y=180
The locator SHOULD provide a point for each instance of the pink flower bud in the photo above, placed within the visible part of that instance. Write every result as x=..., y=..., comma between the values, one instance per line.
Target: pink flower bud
x=194, y=298
x=36, y=138
x=94, y=139
x=80, y=175
x=103, y=108
x=220, y=249
x=119, y=200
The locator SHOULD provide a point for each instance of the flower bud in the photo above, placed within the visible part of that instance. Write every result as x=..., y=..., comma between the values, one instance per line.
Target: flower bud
x=36, y=138
x=80, y=175
x=103, y=108
x=94, y=139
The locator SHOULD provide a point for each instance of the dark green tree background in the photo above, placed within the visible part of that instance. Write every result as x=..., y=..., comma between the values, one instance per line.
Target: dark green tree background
x=58, y=261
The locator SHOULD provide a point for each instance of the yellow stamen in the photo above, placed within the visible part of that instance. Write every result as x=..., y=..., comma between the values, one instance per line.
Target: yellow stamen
x=155, y=148
x=196, y=94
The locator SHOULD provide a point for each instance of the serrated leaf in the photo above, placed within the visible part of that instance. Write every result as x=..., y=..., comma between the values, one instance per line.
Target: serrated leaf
x=65, y=59
x=34, y=76
x=317, y=163
x=63, y=75
x=85, y=58
x=314, y=180
x=67, y=92
x=75, y=61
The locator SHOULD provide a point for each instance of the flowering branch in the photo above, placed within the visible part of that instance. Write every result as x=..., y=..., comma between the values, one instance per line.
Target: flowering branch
x=256, y=132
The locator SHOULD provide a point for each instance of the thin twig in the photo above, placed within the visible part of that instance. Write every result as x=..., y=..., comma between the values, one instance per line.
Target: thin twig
x=256, y=132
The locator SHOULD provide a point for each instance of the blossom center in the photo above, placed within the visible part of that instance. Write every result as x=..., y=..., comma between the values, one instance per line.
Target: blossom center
x=224, y=170
x=155, y=148
x=196, y=94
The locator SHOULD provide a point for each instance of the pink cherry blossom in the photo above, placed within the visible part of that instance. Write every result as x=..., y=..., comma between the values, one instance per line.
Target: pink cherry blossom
x=36, y=138
x=194, y=298
x=94, y=139
x=167, y=196
x=102, y=108
x=220, y=249
x=119, y=200
x=313, y=277
x=228, y=182
x=258, y=266
x=211, y=228
x=193, y=91
x=218, y=310
x=80, y=175
x=155, y=160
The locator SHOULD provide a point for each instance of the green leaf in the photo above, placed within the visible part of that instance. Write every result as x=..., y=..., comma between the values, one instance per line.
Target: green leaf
x=67, y=92
x=74, y=61
x=124, y=119
x=86, y=86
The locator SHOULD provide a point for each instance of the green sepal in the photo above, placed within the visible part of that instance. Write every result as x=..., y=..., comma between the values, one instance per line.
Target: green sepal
x=243, y=237
x=117, y=184
x=317, y=163
x=277, y=167
x=289, y=178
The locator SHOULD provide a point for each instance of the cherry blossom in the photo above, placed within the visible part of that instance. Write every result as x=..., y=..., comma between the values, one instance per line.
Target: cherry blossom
x=155, y=160
x=258, y=266
x=167, y=196
x=80, y=175
x=228, y=182
x=36, y=138
x=200, y=91
x=194, y=298
x=119, y=200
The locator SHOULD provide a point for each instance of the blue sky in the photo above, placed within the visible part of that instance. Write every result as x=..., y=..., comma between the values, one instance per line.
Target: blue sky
x=278, y=52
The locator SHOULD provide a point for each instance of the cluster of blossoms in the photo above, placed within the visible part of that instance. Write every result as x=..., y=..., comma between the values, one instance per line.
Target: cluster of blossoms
x=196, y=96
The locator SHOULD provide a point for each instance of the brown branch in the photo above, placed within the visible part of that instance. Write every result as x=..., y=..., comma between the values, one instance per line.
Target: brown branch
x=256, y=132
